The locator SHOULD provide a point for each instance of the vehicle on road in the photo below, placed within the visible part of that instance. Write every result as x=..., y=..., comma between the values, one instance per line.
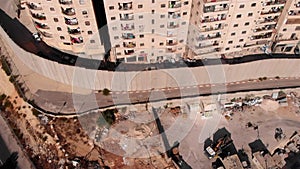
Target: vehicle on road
x=37, y=37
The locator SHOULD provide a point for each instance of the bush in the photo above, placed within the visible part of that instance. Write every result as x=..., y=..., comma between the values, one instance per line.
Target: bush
x=264, y=78
x=277, y=77
x=106, y=92
x=107, y=117
x=260, y=79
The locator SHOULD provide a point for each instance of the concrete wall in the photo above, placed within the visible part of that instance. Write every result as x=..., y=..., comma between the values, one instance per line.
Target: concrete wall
x=146, y=80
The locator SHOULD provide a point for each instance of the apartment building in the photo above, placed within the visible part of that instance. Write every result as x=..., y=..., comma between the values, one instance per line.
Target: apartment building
x=68, y=25
x=148, y=30
x=233, y=28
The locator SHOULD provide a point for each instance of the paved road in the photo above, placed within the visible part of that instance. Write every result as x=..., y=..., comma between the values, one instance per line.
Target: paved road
x=4, y=152
x=54, y=101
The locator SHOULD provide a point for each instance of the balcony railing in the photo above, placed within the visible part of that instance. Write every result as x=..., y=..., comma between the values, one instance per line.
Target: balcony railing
x=272, y=11
x=34, y=6
x=200, y=46
x=126, y=17
x=68, y=11
x=293, y=13
x=211, y=28
x=74, y=31
x=72, y=21
x=174, y=4
x=173, y=15
x=202, y=37
x=171, y=50
x=77, y=40
x=41, y=25
x=216, y=8
x=274, y=2
x=65, y=2
x=216, y=19
x=128, y=36
x=125, y=6
x=261, y=36
x=127, y=26
x=268, y=19
x=38, y=16
x=264, y=28
x=129, y=44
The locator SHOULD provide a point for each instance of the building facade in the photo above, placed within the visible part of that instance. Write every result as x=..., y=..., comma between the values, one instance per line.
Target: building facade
x=233, y=28
x=68, y=25
x=148, y=31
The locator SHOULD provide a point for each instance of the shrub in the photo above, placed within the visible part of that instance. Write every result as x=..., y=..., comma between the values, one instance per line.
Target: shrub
x=277, y=77
x=260, y=79
x=264, y=78
x=107, y=117
x=106, y=92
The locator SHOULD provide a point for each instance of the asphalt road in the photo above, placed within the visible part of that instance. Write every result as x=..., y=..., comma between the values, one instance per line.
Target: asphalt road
x=4, y=152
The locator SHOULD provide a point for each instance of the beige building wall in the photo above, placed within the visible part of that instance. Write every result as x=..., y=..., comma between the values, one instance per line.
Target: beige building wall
x=148, y=31
x=68, y=25
x=233, y=28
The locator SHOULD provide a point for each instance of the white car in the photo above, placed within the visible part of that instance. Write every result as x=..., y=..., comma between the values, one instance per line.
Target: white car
x=36, y=37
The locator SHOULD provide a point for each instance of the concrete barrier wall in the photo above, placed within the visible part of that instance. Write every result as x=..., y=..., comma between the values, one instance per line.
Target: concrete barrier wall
x=146, y=80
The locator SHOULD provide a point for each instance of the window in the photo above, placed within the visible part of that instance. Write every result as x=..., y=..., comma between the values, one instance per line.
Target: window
x=232, y=34
x=141, y=36
x=52, y=9
x=152, y=40
x=235, y=25
x=284, y=29
x=253, y=4
x=239, y=16
x=247, y=23
x=242, y=6
x=92, y=41
x=142, y=44
x=90, y=32
x=161, y=44
x=58, y=28
x=186, y=3
x=152, y=21
x=114, y=28
x=184, y=13
x=140, y=6
x=55, y=19
x=84, y=12
x=241, y=40
x=227, y=48
x=162, y=16
x=230, y=42
x=183, y=23
x=162, y=26
x=297, y=28
x=119, y=53
x=153, y=1
x=117, y=46
x=62, y=37
x=244, y=32
x=113, y=18
x=153, y=11
x=163, y=5
x=153, y=31
x=141, y=17
x=116, y=37
x=250, y=14
x=181, y=41
x=111, y=7
x=87, y=23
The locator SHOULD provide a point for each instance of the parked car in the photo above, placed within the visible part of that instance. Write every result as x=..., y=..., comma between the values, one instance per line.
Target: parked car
x=36, y=36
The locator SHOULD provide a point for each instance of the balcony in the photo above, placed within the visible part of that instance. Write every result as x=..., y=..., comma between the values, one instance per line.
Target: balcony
x=261, y=36
x=126, y=17
x=72, y=21
x=41, y=25
x=76, y=40
x=172, y=25
x=212, y=28
x=171, y=34
x=46, y=34
x=171, y=42
x=65, y=2
x=129, y=44
x=273, y=10
x=216, y=8
x=128, y=36
x=34, y=6
x=171, y=49
x=209, y=36
x=68, y=11
x=129, y=52
x=297, y=5
x=174, y=4
x=208, y=19
x=173, y=15
x=202, y=46
x=274, y=2
x=125, y=6
x=293, y=13
x=39, y=16
x=265, y=28
x=127, y=26
x=268, y=19
x=74, y=31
